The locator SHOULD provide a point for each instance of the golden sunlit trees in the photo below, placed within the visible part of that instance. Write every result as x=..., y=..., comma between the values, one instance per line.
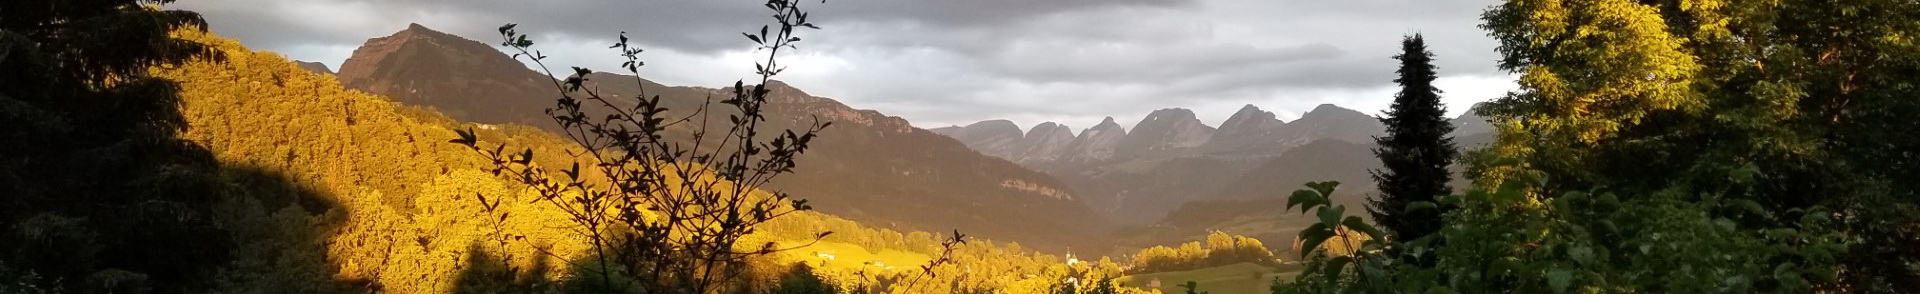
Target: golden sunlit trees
x=370, y=196
x=1217, y=249
x=665, y=214
x=380, y=203
x=1771, y=112
x=1689, y=146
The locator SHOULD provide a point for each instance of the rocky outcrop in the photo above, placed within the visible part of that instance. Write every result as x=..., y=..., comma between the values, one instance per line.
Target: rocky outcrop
x=1045, y=142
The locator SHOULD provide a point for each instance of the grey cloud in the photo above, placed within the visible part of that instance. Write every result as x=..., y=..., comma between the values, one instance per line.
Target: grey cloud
x=685, y=25
x=1050, y=62
x=941, y=62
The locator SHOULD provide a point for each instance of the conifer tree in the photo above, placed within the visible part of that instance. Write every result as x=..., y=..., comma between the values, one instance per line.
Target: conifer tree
x=95, y=192
x=1416, y=150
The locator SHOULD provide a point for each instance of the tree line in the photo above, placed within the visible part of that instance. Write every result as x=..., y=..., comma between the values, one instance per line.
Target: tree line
x=1704, y=146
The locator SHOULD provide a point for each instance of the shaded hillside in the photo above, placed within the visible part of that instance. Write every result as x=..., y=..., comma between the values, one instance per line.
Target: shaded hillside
x=868, y=166
x=1250, y=205
x=1143, y=189
x=1322, y=160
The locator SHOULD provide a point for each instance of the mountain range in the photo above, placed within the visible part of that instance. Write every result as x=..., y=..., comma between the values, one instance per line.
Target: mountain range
x=1047, y=186
x=1171, y=158
x=867, y=166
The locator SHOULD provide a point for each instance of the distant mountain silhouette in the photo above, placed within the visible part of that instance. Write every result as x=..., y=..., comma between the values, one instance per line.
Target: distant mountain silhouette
x=1249, y=129
x=314, y=67
x=868, y=166
x=1171, y=158
x=996, y=138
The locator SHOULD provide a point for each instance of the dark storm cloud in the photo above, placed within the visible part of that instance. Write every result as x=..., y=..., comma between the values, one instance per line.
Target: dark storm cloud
x=939, y=62
x=686, y=25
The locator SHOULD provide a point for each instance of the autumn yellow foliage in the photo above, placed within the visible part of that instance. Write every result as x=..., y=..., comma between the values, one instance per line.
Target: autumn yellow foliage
x=382, y=201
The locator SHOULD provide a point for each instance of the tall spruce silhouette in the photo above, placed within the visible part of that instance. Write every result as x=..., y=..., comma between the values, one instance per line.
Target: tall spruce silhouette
x=1415, y=151
x=97, y=194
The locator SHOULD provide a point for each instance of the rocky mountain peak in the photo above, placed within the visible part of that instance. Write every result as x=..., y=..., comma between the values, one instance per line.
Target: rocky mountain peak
x=1048, y=129
x=1166, y=130
x=997, y=138
x=995, y=128
x=1247, y=112
x=1332, y=122
x=1166, y=115
x=1330, y=111
x=421, y=66
x=1096, y=143
x=1047, y=141
x=1108, y=122
x=1248, y=129
x=1250, y=120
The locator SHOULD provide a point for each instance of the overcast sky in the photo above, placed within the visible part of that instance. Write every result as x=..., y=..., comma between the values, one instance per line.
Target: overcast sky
x=954, y=62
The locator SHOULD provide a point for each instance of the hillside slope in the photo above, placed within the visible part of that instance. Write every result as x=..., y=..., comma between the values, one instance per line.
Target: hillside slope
x=868, y=166
x=378, y=201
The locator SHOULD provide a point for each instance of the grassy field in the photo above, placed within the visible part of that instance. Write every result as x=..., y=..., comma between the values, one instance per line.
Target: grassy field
x=1239, y=278
x=843, y=256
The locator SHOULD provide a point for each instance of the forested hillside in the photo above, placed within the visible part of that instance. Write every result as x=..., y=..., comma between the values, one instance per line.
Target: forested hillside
x=1649, y=147
x=328, y=190
x=869, y=166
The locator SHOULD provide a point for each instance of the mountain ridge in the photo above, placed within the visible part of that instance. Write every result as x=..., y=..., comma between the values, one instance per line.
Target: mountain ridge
x=1170, y=157
x=869, y=166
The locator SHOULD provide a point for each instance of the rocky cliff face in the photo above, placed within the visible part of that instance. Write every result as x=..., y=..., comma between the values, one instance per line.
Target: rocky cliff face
x=1097, y=143
x=1045, y=142
x=1163, y=133
x=867, y=166
x=1248, y=130
x=997, y=138
x=1331, y=122
x=1250, y=121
